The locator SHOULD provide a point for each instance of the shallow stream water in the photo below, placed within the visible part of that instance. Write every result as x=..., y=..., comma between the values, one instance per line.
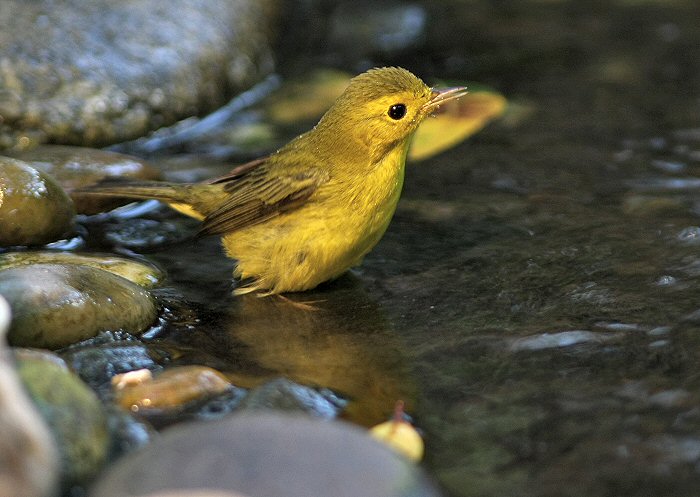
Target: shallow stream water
x=536, y=299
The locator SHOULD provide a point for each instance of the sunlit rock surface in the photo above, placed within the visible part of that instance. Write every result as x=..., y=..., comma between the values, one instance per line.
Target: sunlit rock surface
x=34, y=209
x=72, y=411
x=79, y=167
x=55, y=305
x=139, y=272
x=98, y=72
x=172, y=389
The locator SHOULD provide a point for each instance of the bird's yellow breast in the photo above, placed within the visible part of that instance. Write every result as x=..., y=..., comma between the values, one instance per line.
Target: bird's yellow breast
x=341, y=223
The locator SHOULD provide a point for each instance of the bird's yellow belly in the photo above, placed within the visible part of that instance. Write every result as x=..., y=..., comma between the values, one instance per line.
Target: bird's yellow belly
x=318, y=242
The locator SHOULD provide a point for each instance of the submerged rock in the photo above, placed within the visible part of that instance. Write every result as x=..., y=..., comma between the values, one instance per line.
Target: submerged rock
x=73, y=413
x=97, y=364
x=285, y=395
x=100, y=72
x=55, y=305
x=266, y=454
x=77, y=167
x=172, y=389
x=127, y=433
x=34, y=209
x=142, y=274
x=28, y=456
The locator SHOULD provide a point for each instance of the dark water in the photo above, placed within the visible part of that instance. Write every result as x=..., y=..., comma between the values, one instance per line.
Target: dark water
x=536, y=300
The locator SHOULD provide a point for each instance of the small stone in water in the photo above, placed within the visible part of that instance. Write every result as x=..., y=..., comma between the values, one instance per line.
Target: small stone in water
x=56, y=305
x=127, y=432
x=145, y=233
x=174, y=388
x=73, y=413
x=76, y=167
x=96, y=363
x=142, y=274
x=34, y=210
x=286, y=395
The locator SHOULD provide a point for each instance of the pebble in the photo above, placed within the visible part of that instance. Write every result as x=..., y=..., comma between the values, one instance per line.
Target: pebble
x=72, y=411
x=97, y=364
x=172, y=389
x=56, y=305
x=127, y=432
x=78, y=167
x=287, y=396
x=268, y=454
x=139, y=272
x=34, y=209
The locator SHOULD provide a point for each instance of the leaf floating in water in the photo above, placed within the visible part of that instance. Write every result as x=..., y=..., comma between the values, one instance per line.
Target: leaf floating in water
x=457, y=120
x=400, y=435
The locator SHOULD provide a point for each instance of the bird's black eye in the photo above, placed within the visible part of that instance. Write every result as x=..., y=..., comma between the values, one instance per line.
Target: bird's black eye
x=397, y=111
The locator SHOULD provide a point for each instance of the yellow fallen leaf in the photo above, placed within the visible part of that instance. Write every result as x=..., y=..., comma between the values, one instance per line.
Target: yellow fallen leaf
x=455, y=121
x=400, y=435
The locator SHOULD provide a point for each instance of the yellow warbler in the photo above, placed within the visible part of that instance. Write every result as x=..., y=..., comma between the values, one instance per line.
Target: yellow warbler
x=313, y=209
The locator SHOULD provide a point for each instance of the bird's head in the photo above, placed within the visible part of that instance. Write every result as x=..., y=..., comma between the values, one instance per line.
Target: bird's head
x=381, y=108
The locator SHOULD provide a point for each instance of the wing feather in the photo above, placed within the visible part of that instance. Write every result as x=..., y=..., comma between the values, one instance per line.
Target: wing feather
x=259, y=191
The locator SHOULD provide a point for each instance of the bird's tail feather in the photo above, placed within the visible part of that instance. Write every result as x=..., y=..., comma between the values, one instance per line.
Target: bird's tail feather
x=169, y=192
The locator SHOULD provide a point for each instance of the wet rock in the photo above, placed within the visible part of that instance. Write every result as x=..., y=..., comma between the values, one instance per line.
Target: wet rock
x=146, y=234
x=28, y=456
x=172, y=389
x=216, y=407
x=142, y=274
x=266, y=454
x=98, y=364
x=127, y=433
x=207, y=409
x=34, y=210
x=102, y=72
x=55, y=305
x=78, y=167
x=288, y=396
x=73, y=413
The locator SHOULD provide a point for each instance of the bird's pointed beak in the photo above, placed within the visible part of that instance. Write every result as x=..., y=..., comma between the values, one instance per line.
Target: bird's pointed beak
x=441, y=96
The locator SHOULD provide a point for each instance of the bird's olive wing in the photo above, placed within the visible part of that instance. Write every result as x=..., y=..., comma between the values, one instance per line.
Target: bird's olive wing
x=259, y=193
